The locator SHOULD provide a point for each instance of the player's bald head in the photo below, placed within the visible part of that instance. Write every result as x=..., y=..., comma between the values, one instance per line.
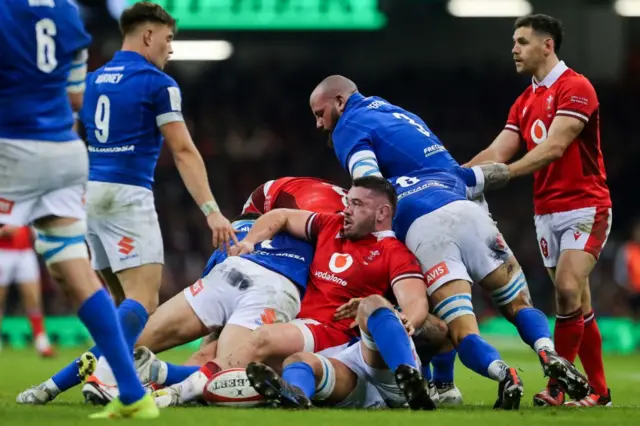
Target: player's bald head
x=329, y=99
x=333, y=86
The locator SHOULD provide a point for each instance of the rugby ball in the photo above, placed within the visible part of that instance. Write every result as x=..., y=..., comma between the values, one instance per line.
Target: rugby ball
x=231, y=388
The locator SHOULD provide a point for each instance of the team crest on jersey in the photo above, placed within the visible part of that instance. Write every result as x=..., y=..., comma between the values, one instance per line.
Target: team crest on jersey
x=549, y=102
x=538, y=131
x=340, y=262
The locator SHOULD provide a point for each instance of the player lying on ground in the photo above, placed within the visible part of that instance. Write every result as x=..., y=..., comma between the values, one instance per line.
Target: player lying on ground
x=43, y=170
x=379, y=371
x=558, y=117
x=356, y=256
x=466, y=246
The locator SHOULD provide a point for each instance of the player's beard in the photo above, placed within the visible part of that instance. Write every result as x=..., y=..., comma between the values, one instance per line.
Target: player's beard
x=361, y=230
x=335, y=116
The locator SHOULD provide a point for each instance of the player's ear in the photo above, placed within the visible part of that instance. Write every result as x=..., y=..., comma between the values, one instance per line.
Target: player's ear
x=384, y=212
x=340, y=103
x=146, y=36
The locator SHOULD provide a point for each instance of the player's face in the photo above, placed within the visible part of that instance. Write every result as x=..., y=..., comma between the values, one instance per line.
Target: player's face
x=360, y=213
x=327, y=112
x=160, y=45
x=529, y=50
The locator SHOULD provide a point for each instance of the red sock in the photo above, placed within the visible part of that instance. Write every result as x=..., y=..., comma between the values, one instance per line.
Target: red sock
x=591, y=354
x=568, y=335
x=37, y=323
x=210, y=368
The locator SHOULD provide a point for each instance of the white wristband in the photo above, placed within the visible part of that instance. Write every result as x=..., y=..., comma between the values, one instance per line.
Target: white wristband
x=209, y=207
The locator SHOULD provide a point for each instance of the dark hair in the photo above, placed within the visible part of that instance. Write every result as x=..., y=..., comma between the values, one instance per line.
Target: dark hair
x=544, y=24
x=143, y=12
x=381, y=186
x=247, y=216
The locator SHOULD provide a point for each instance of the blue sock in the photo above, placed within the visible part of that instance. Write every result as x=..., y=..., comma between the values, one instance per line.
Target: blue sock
x=177, y=373
x=426, y=372
x=443, y=366
x=132, y=316
x=532, y=325
x=393, y=342
x=477, y=355
x=300, y=374
x=99, y=316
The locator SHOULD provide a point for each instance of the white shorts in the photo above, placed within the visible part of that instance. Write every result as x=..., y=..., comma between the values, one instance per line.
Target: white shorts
x=39, y=179
x=122, y=226
x=459, y=241
x=18, y=266
x=241, y=292
x=375, y=388
x=582, y=229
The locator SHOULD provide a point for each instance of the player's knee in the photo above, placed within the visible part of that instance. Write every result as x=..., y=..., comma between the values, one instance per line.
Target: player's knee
x=368, y=306
x=512, y=296
x=457, y=312
x=261, y=341
x=568, y=292
x=59, y=243
x=431, y=337
x=304, y=357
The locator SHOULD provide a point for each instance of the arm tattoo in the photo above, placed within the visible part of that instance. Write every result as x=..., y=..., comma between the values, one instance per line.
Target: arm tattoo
x=495, y=175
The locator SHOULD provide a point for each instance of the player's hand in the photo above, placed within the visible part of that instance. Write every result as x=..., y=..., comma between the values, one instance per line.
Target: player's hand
x=348, y=310
x=407, y=324
x=222, y=230
x=243, y=247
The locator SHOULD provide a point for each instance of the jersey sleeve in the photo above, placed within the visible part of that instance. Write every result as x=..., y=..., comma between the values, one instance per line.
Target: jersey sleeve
x=402, y=265
x=77, y=37
x=354, y=148
x=167, y=100
x=577, y=99
x=319, y=222
x=513, y=120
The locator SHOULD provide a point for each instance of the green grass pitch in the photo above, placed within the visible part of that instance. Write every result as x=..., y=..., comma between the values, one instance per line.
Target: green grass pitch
x=19, y=369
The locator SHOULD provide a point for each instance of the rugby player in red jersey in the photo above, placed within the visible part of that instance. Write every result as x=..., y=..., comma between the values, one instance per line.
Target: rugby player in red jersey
x=19, y=264
x=558, y=118
x=300, y=193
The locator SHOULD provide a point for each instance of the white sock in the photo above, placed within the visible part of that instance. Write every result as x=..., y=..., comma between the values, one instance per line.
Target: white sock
x=192, y=387
x=544, y=344
x=498, y=370
x=103, y=372
x=52, y=387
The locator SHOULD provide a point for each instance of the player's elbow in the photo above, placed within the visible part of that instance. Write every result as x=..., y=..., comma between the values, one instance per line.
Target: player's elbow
x=556, y=151
x=76, y=99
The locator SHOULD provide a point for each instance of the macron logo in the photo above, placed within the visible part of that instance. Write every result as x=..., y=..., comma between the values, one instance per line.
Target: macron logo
x=330, y=277
x=435, y=273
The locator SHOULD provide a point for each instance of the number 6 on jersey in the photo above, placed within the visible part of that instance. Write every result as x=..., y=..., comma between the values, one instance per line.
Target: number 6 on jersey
x=103, y=114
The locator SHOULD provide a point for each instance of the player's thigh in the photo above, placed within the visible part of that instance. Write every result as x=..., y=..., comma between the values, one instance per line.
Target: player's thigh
x=28, y=279
x=174, y=323
x=339, y=386
x=371, y=382
x=270, y=343
x=205, y=354
x=321, y=338
x=452, y=304
x=573, y=270
x=124, y=219
x=231, y=340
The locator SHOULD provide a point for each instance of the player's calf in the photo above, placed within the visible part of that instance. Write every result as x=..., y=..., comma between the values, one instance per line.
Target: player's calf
x=453, y=305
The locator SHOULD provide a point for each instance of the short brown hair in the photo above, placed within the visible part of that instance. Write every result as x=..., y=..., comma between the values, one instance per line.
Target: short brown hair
x=143, y=12
x=543, y=24
x=381, y=186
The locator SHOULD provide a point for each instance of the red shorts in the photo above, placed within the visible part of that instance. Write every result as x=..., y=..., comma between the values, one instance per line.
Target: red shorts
x=321, y=338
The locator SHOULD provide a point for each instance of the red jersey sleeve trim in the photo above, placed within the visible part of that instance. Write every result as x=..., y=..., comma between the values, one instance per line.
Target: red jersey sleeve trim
x=573, y=114
x=309, y=226
x=512, y=127
x=406, y=276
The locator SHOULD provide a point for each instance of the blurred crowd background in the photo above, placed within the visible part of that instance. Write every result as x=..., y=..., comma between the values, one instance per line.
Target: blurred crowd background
x=249, y=117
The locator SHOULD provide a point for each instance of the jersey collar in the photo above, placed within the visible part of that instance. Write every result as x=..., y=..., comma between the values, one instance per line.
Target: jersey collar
x=128, y=55
x=380, y=235
x=551, y=78
x=353, y=99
